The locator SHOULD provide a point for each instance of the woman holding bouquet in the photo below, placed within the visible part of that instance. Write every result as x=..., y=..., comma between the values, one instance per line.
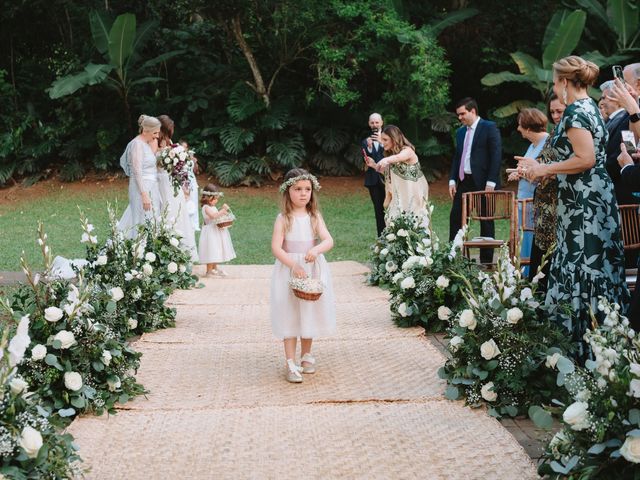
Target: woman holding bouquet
x=139, y=163
x=174, y=202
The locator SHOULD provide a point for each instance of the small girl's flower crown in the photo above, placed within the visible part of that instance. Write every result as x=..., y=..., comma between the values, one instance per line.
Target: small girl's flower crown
x=207, y=193
x=307, y=176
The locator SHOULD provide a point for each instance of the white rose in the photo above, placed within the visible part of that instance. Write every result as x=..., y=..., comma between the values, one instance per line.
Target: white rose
x=397, y=277
x=114, y=384
x=630, y=449
x=128, y=276
x=442, y=282
x=429, y=261
x=147, y=269
x=526, y=294
x=577, y=415
x=391, y=237
x=38, y=352
x=174, y=241
x=390, y=267
x=182, y=268
x=455, y=343
x=444, y=313
x=634, y=388
x=30, y=441
x=402, y=233
x=489, y=349
x=106, y=357
x=384, y=252
x=514, y=315
x=101, y=260
x=17, y=385
x=116, y=294
x=426, y=241
x=552, y=360
x=172, y=267
x=408, y=282
x=150, y=257
x=52, y=314
x=133, y=323
x=468, y=319
x=66, y=339
x=634, y=368
x=73, y=381
x=487, y=392
x=403, y=310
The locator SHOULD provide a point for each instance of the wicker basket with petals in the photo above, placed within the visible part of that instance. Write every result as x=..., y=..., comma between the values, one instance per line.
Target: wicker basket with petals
x=225, y=221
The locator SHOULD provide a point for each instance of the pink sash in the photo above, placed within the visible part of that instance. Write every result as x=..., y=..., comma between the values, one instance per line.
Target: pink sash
x=298, y=246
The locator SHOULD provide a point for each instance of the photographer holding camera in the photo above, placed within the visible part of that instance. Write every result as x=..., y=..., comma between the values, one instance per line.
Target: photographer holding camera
x=373, y=180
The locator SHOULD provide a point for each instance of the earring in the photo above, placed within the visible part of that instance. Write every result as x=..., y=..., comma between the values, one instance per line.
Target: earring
x=564, y=95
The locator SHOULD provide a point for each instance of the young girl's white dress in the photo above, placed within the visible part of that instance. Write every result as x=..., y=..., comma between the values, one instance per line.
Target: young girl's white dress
x=215, y=243
x=291, y=316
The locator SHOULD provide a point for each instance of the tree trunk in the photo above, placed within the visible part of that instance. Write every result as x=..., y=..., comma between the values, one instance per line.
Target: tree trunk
x=258, y=84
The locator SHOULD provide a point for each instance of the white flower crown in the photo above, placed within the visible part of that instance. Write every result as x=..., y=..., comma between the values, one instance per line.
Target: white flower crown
x=307, y=176
x=206, y=193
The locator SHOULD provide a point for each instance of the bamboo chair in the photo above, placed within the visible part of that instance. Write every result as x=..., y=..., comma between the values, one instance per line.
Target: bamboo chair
x=486, y=205
x=630, y=226
x=525, y=208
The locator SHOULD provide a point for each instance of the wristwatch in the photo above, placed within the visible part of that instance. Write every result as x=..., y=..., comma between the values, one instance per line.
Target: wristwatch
x=634, y=117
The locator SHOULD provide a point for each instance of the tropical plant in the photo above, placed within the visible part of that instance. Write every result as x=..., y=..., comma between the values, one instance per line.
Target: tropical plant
x=561, y=37
x=119, y=43
x=613, y=28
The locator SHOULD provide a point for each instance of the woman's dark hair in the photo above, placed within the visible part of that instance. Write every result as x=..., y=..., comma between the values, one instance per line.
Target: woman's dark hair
x=167, y=127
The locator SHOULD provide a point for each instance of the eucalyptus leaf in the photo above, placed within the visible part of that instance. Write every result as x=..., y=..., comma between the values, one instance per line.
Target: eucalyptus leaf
x=452, y=393
x=540, y=417
x=66, y=412
x=78, y=402
x=565, y=365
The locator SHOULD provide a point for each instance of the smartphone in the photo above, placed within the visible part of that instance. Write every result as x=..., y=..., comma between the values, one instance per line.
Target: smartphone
x=617, y=72
x=629, y=141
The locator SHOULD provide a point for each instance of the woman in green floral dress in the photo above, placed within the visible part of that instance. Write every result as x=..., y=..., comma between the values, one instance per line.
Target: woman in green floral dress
x=588, y=261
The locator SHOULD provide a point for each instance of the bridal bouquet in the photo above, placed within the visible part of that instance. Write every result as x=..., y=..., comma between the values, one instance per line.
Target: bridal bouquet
x=178, y=162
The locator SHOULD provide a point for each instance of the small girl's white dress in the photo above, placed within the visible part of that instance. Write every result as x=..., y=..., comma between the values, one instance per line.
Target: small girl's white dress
x=290, y=315
x=215, y=243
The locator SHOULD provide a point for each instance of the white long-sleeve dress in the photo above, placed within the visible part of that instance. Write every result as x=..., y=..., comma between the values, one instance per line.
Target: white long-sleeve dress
x=139, y=164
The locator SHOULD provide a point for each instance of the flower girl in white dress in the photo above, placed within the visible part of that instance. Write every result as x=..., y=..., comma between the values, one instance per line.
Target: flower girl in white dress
x=300, y=237
x=215, y=243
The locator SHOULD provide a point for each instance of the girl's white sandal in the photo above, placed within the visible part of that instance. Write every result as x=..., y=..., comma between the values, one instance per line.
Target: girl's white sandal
x=310, y=366
x=293, y=374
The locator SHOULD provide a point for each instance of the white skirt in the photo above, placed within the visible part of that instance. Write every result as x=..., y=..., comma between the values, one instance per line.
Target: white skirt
x=215, y=245
x=294, y=317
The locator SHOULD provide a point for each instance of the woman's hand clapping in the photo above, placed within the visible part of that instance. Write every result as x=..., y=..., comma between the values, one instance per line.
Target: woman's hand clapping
x=530, y=169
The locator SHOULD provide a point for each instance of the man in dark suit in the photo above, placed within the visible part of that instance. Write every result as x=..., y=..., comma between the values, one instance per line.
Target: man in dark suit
x=618, y=121
x=475, y=166
x=372, y=179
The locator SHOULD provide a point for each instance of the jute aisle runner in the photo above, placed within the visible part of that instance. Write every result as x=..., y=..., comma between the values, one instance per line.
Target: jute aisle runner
x=220, y=408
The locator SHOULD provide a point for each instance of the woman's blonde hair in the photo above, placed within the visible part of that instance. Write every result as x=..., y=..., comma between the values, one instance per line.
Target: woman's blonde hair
x=580, y=72
x=398, y=140
x=147, y=123
x=287, y=206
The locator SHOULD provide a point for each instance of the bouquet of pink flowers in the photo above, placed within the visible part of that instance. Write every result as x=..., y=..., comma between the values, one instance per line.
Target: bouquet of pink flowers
x=178, y=162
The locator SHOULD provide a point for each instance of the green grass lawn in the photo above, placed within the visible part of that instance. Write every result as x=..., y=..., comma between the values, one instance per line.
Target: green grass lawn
x=349, y=217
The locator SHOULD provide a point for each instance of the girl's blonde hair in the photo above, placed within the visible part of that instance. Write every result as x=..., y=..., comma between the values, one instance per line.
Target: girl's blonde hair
x=147, y=123
x=398, y=139
x=287, y=206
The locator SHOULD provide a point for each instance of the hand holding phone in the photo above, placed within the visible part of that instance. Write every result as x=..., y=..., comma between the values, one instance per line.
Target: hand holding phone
x=617, y=72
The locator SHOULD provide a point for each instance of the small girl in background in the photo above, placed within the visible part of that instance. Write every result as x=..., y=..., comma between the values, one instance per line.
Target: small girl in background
x=192, y=195
x=215, y=243
x=300, y=237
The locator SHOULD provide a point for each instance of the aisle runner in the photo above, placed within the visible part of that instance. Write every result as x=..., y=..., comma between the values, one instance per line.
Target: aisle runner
x=220, y=408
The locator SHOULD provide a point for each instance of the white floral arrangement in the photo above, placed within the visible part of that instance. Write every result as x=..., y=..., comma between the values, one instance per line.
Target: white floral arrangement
x=307, y=176
x=307, y=285
x=601, y=420
x=178, y=162
x=499, y=343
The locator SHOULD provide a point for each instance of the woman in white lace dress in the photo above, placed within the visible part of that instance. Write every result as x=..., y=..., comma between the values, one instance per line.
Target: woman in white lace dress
x=139, y=163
